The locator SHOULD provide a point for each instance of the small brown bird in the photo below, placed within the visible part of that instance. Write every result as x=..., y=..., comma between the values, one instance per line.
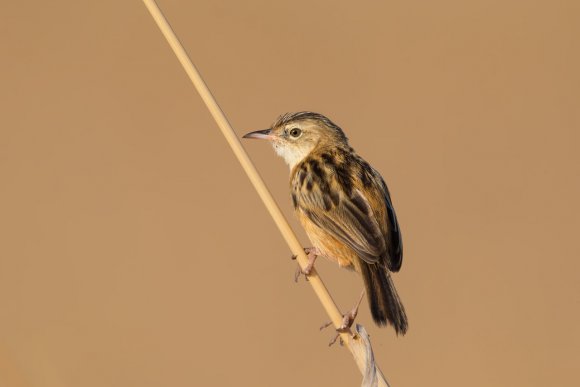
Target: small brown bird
x=344, y=206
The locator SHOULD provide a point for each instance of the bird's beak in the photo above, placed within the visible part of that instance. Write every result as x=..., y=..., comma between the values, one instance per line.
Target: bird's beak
x=260, y=134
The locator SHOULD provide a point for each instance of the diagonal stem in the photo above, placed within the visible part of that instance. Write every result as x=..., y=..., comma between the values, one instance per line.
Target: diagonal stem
x=232, y=139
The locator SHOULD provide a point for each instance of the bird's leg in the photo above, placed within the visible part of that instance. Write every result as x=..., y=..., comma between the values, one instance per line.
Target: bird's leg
x=311, y=253
x=347, y=321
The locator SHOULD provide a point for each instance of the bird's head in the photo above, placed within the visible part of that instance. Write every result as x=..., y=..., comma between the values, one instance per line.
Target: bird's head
x=295, y=135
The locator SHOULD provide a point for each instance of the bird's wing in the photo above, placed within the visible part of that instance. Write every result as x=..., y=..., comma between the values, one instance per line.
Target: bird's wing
x=347, y=216
x=394, y=237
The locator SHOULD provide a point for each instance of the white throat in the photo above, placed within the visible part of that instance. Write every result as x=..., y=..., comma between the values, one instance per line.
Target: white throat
x=291, y=155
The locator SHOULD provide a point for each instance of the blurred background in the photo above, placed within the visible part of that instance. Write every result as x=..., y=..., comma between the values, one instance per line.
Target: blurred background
x=135, y=252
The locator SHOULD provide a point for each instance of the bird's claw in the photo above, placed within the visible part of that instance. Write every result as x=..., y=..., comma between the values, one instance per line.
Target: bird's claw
x=347, y=321
x=312, y=253
x=299, y=271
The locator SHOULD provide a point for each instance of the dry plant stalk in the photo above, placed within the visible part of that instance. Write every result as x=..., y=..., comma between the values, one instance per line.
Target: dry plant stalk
x=359, y=344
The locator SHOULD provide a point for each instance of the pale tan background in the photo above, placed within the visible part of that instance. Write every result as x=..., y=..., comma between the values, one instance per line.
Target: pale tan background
x=134, y=252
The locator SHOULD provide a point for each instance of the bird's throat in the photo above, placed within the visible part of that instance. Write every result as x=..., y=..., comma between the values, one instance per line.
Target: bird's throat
x=291, y=155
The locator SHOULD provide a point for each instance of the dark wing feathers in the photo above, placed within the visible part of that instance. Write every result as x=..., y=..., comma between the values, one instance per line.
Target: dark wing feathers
x=346, y=223
x=327, y=194
x=394, y=237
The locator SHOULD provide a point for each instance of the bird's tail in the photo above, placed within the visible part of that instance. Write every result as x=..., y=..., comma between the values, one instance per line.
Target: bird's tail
x=386, y=307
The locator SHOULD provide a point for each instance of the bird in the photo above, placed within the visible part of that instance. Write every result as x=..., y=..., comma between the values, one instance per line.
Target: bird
x=344, y=206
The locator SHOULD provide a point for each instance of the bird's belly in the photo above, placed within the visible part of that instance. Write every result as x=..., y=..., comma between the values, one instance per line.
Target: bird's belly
x=329, y=247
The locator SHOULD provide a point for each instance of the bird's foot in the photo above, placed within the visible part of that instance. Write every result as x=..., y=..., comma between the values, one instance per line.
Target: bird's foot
x=311, y=253
x=347, y=321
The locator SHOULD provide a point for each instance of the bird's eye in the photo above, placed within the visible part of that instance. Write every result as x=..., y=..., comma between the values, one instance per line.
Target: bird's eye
x=295, y=132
